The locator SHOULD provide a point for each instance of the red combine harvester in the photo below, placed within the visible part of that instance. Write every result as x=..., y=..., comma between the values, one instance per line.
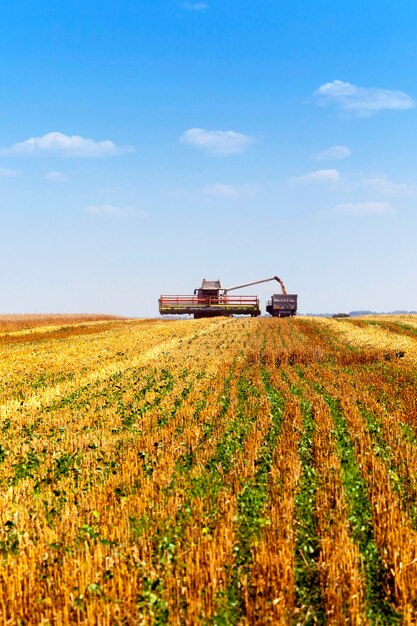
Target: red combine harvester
x=212, y=300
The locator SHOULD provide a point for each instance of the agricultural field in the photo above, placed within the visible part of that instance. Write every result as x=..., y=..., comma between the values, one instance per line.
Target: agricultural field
x=214, y=472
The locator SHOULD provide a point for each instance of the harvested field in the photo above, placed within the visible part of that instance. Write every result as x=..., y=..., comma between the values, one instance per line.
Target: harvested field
x=28, y=322
x=219, y=471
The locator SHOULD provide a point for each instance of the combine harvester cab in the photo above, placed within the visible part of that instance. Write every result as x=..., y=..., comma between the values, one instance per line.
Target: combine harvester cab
x=209, y=300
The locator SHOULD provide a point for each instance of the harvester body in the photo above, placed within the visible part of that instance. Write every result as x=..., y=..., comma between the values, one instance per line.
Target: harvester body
x=209, y=300
x=212, y=300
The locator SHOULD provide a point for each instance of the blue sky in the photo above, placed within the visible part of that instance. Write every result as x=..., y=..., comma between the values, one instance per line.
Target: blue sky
x=146, y=145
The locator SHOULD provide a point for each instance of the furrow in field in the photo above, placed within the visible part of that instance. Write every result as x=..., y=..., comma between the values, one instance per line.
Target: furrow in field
x=94, y=535
x=35, y=401
x=85, y=361
x=391, y=528
x=331, y=533
x=356, y=447
x=315, y=498
x=397, y=326
x=392, y=438
x=384, y=392
x=340, y=563
x=373, y=337
x=33, y=368
x=269, y=587
x=209, y=534
x=89, y=428
x=327, y=531
x=67, y=328
x=10, y=323
x=309, y=602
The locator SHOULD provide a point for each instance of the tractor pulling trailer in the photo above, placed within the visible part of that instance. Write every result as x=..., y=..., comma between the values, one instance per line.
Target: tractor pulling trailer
x=212, y=300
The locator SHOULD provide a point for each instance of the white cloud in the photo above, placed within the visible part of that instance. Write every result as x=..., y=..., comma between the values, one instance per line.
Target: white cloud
x=385, y=186
x=6, y=173
x=58, y=144
x=195, y=6
x=222, y=142
x=363, y=101
x=56, y=177
x=115, y=211
x=219, y=189
x=364, y=208
x=330, y=176
x=335, y=153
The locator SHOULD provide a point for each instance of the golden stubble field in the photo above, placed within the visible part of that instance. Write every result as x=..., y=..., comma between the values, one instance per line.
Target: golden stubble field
x=220, y=471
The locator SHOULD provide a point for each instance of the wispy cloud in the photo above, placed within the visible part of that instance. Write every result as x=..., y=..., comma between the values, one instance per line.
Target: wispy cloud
x=219, y=189
x=57, y=177
x=364, y=101
x=364, y=208
x=115, y=211
x=6, y=173
x=58, y=144
x=220, y=142
x=194, y=6
x=335, y=153
x=330, y=176
x=386, y=187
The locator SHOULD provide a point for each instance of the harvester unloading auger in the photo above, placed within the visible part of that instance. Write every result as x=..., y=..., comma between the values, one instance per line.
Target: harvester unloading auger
x=257, y=282
x=280, y=305
x=212, y=300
